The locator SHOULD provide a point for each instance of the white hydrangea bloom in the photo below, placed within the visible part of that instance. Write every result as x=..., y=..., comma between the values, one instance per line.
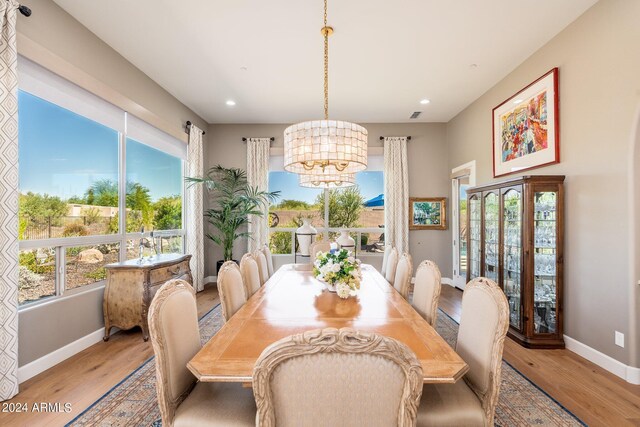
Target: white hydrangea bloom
x=335, y=268
x=343, y=290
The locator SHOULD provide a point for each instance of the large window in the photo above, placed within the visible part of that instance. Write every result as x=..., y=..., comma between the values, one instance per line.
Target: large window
x=76, y=185
x=359, y=208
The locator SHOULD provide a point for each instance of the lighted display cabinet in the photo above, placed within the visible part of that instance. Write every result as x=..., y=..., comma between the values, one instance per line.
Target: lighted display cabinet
x=515, y=238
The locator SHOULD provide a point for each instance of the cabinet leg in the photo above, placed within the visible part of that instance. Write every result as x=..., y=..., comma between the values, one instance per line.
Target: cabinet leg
x=107, y=332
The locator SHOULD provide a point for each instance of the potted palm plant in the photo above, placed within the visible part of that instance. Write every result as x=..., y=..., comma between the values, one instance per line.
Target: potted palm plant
x=233, y=201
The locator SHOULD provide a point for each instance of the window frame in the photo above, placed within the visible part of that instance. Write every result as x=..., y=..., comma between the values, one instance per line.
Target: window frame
x=60, y=244
x=325, y=229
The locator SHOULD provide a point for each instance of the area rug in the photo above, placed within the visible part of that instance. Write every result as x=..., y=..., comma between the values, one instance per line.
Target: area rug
x=132, y=402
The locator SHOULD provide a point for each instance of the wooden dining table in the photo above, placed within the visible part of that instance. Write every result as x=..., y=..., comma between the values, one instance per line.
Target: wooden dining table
x=293, y=301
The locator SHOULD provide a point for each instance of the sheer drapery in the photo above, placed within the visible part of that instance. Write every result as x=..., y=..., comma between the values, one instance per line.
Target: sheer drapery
x=194, y=208
x=396, y=193
x=8, y=202
x=258, y=176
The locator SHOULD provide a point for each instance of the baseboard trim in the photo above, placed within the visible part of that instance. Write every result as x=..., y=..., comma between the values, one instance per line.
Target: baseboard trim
x=447, y=281
x=40, y=365
x=210, y=279
x=627, y=373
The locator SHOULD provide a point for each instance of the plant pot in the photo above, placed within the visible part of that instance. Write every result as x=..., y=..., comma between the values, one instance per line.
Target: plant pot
x=219, y=264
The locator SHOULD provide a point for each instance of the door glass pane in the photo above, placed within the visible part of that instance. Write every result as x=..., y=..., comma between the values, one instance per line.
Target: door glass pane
x=491, y=221
x=512, y=253
x=85, y=264
x=474, y=236
x=463, y=184
x=37, y=274
x=545, y=227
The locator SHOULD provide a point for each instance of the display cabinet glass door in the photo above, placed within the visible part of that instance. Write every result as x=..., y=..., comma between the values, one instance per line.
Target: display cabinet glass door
x=544, y=262
x=473, y=249
x=512, y=253
x=491, y=232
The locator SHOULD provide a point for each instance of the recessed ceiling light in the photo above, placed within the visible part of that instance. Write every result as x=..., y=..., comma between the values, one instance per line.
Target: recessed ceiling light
x=424, y=101
x=517, y=101
x=231, y=103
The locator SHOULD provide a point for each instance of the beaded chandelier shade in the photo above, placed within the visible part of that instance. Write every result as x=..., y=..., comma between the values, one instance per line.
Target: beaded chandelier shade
x=327, y=180
x=331, y=147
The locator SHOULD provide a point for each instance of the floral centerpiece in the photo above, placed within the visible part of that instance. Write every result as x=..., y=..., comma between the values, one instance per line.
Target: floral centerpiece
x=339, y=270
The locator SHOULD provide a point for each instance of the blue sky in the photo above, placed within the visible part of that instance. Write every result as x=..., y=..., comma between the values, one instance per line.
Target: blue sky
x=62, y=154
x=371, y=184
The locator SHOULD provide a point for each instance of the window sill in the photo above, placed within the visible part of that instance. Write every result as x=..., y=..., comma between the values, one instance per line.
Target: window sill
x=57, y=298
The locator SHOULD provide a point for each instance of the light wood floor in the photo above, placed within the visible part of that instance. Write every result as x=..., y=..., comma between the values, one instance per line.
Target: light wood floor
x=594, y=395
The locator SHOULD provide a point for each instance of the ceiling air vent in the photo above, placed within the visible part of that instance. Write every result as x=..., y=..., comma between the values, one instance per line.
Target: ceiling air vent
x=415, y=114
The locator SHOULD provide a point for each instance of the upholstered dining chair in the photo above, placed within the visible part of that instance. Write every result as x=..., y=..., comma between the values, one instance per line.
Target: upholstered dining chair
x=337, y=377
x=483, y=327
x=316, y=247
x=392, y=264
x=175, y=337
x=267, y=253
x=250, y=274
x=263, y=267
x=385, y=259
x=231, y=289
x=426, y=291
x=402, y=279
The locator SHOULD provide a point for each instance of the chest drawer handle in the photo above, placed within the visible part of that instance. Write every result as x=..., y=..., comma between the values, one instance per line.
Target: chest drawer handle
x=174, y=270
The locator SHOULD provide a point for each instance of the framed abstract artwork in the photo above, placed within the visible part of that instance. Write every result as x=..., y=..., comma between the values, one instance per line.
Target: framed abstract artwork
x=427, y=213
x=526, y=128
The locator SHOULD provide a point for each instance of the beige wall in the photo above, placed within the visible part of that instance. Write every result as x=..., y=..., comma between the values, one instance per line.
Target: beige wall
x=428, y=175
x=63, y=42
x=599, y=61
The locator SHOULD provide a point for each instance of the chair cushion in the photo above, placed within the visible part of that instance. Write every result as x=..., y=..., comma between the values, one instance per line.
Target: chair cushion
x=450, y=405
x=217, y=404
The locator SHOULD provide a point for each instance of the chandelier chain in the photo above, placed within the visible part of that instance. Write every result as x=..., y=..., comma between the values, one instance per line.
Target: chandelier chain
x=326, y=65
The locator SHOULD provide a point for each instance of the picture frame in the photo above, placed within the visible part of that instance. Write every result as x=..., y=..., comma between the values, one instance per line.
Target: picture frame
x=427, y=213
x=526, y=128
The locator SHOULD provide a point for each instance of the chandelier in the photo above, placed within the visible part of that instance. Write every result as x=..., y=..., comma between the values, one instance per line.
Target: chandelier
x=321, y=179
x=325, y=149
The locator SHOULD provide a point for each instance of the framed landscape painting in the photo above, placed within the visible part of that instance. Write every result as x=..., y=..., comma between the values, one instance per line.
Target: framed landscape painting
x=427, y=213
x=525, y=128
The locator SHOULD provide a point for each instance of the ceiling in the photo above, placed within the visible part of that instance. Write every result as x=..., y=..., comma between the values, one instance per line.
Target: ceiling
x=384, y=57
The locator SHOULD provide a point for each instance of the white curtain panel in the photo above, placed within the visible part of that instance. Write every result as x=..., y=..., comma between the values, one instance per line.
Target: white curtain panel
x=8, y=202
x=396, y=193
x=195, y=209
x=258, y=176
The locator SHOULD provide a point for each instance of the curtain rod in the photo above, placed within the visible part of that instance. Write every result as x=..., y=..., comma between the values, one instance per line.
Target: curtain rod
x=408, y=138
x=244, y=139
x=187, y=127
x=24, y=10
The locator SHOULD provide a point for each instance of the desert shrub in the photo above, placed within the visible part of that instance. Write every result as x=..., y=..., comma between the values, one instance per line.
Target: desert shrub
x=75, y=230
x=91, y=215
x=97, y=274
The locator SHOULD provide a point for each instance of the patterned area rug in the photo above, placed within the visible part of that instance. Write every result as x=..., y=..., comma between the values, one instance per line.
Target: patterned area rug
x=132, y=402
